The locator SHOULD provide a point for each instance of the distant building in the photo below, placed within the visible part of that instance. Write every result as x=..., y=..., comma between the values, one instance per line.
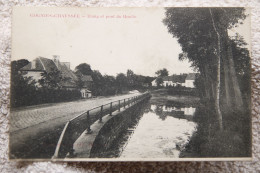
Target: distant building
x=87, y=83
x=186, y=80
x=40, y=64
x=189, y=81
x=85, y=93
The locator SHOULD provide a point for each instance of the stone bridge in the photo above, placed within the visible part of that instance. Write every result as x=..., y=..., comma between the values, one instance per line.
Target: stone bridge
x=93, y=132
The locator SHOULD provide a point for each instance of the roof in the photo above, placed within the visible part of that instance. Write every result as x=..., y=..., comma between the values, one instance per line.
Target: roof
x=175, y=78
x=47, y=65
x=41, y=64
x=66, y=72
x=191, y=76
x=88, y=91
x=86, y=78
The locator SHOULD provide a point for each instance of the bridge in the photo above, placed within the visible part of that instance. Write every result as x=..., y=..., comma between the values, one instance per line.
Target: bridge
x=83, y=134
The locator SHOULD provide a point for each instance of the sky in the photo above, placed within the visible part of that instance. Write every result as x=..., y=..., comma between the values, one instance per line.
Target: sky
x=101, y=37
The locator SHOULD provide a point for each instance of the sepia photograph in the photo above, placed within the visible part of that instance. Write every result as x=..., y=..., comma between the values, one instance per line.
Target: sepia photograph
x=130, y=84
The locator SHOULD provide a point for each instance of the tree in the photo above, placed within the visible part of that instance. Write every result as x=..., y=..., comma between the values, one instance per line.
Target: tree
x=51, y=80
x=242, y=65
x=130, y=78
x=110, y=87
x=163, y=72
x=23, y=90
x=98, y=83
x=159, y=81
x=83, y=69
x=121, y=82
x=202, y=33
x=17, y=65
x=218, y=54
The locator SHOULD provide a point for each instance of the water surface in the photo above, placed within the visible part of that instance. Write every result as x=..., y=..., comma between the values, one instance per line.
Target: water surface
x=162, y=132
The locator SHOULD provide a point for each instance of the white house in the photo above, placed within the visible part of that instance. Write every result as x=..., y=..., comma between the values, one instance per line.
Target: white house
x=189, y=81
x=186, y=80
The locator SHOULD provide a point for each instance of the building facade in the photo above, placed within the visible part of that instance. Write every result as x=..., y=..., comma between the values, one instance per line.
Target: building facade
x=185, y=80
x=41, y=65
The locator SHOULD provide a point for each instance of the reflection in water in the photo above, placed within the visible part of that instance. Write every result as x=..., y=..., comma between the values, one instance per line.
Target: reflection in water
x=162, y=132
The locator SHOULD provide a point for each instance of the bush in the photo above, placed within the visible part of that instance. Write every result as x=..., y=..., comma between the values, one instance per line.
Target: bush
x=208, y=141
x=28, y=95
x=180, y=90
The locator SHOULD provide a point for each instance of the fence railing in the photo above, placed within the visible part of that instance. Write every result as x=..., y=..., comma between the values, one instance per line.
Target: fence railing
x=76, y=126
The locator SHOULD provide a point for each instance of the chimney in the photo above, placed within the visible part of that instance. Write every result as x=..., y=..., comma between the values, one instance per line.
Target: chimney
x=67, y=64
x=33, y=64
x=56, y=60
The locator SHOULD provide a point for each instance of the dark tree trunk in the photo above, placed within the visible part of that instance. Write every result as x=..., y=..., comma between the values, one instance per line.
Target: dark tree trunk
x=232, y=77
x=227, y=82
x=207, y=82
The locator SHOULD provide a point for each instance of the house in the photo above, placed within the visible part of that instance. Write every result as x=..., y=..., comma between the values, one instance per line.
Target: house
x=189, y=81
x=87, y=83
x=85, y=93
x=174, y=80
x=186, y=80
x=44, y=65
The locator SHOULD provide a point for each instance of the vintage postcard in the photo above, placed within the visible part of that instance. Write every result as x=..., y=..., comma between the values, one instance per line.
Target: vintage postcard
x=130, y=84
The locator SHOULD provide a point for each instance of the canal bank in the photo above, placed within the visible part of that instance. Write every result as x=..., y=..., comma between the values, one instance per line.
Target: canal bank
x=209, y=142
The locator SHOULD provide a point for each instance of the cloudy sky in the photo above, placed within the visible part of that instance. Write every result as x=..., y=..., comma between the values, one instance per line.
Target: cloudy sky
x=110, y=45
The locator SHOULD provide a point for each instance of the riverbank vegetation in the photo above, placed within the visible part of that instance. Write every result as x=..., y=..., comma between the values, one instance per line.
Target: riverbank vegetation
x=162, y=97
x=223, y=86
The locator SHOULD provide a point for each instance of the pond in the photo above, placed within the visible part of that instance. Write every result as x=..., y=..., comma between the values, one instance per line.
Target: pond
x=162, y=132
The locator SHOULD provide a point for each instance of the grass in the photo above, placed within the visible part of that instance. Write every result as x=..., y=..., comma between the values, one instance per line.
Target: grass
x=209, y=141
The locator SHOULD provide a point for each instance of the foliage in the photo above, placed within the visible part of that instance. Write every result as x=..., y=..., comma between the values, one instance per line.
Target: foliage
x=130, y=79
x=109, y=87
x=121, y=82
x=51, y=80
x=195, y=32
x=162, y=72
x=181, y=90
x=83, y=69
x=16, y=65
x=24, y=91
x=242, y=66
x=203, y=35
x=159, y=81
x=98, y=82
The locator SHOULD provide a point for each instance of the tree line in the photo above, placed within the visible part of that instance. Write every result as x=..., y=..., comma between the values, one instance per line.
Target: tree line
x=26, y=91
x=111, y=85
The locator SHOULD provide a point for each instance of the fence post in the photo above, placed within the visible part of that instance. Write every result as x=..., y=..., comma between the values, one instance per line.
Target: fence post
x=124, y=103
x=89, y=131
x=101, y=113
x=119, y=105
x=110, y=109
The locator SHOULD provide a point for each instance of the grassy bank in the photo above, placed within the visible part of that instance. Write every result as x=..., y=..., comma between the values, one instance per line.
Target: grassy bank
x=161, y=96
x=209, y=141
